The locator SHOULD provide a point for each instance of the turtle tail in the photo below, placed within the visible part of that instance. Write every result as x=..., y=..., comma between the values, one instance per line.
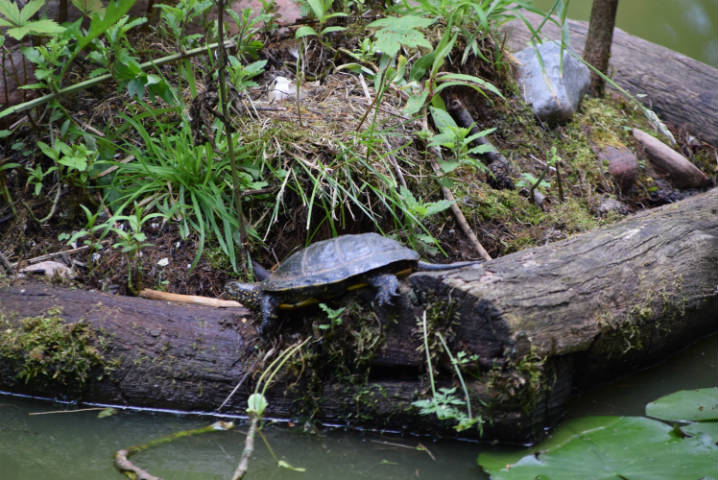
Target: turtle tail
x=421, y=265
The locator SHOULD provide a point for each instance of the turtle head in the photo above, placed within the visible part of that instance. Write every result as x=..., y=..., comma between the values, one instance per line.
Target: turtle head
x=248, y=294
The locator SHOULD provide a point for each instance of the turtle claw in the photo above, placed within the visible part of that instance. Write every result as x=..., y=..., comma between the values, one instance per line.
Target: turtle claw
x=387, y=286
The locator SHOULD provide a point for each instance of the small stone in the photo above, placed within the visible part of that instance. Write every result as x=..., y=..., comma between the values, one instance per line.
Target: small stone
x=50, y=269
x=622, y=164
x=282, y=89
x=609, y=205
x=554, y=91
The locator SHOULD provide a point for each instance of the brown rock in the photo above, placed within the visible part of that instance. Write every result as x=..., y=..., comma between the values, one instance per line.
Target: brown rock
x=681, y=172
x=623, y=165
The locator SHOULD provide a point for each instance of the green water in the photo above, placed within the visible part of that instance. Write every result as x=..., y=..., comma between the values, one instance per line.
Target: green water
x=686, y=26
x=79, y=446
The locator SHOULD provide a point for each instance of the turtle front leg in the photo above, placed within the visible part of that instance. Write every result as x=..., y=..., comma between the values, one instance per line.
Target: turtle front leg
x=387, y=287
x=268, y=312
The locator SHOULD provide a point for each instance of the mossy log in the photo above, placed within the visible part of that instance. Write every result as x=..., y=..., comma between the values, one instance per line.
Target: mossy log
x=542, y=321
x=679, y=89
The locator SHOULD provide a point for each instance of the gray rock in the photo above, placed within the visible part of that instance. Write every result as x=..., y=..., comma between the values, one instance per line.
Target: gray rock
x=556, y=95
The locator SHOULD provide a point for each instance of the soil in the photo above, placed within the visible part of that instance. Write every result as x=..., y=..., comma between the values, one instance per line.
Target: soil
x=503, y=220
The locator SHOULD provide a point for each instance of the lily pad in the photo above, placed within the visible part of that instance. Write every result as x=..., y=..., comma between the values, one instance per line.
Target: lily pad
x=634, y=448
x=709, y=431
x=687, y=405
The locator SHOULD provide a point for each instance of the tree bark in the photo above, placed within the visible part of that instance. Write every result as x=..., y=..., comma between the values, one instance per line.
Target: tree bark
x=542, y=321
x=598, y=40
x=679, y=89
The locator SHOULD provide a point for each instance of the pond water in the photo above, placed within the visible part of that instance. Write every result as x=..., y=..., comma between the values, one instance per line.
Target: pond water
x=79, y=446
x=686, y=26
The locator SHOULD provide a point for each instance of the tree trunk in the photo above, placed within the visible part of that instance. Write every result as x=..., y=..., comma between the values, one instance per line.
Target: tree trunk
x=542, y=321
x=681, y=90
x=598, y=40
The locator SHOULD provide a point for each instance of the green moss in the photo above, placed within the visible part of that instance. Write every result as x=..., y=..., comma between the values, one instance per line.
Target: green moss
x=572, y=216
x=46, y=349
x=521, y=379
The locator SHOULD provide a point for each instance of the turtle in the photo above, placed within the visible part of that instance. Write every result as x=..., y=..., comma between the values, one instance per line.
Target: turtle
x=328, y=269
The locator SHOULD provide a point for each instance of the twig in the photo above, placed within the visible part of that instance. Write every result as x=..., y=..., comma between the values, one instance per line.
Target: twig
x=239, y=384
x=460, y=218
x=189, y=299
x=248, y=449
x=395, y=164
x=123, y=463
x=420, y=447
x=559, y=182
x=48, y=256
x=54, y=201
x=53, y=412
x=536, y=196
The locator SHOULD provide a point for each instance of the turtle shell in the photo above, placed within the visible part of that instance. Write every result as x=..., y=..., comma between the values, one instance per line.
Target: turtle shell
x=337, y=260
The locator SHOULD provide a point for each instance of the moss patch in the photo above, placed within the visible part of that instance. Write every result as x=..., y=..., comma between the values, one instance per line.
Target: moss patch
x=47, y=350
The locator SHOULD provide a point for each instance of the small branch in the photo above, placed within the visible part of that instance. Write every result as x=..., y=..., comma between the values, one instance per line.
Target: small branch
x=124, y=465
x=49, y=256
x=534, y=194
x=189, y=299
x=248, y=449
x=559, y=182
x=239, y=384
x=420, y=447
x=460, y=218
x=53, y=412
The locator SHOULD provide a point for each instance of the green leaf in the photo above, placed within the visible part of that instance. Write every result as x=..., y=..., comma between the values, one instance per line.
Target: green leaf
x=107, y=412
x=436, y=207
x=305, y=31
x=476, y=83
x=418, y=70
x=88, y=7
x=10, y=11
x=18, y=33
x=317, y=7
x=442, y=119
x=415, y=102
x=332, y=29
x=608, y=448
x=397, y=31
x=256, y=404
x=688, y=405
x=30, y=9
x=48, y=150
x=100, y=24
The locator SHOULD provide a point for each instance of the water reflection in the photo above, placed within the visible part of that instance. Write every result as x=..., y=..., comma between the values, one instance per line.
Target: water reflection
x=687, y=26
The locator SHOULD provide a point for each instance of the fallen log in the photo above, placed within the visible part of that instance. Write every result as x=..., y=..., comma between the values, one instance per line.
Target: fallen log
x=679, y=89
x=542, y=321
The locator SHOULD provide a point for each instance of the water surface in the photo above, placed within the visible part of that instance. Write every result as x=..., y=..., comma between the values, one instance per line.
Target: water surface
x=686, y=26
x=79, y=446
